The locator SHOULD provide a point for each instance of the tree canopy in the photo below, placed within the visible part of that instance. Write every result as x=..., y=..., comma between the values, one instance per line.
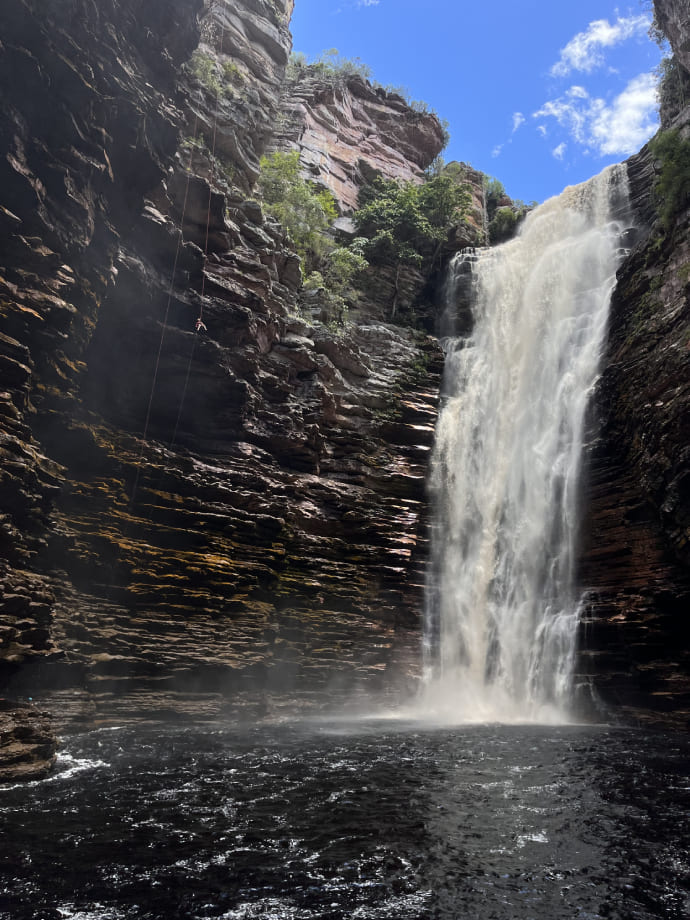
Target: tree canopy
x=304, y=211
x=403, y=221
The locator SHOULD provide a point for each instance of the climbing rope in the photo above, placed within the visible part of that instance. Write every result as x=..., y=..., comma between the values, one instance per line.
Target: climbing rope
x=165, y=317
x=199, y=326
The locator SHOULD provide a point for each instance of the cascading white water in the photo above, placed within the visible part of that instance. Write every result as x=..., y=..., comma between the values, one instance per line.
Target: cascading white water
x=502, y=612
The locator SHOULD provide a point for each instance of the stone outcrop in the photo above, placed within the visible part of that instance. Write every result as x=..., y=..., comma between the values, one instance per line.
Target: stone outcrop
x=636, y=560
x=184, y=517
x=674, y=22
x=346, y=130
x=244, y=48
x=27, y=742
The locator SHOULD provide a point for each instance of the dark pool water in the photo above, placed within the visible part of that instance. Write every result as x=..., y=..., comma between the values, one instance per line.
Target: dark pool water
x=353, y=820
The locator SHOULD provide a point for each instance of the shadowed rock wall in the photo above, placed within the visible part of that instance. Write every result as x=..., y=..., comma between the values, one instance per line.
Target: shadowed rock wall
x=268, y=532
x=635, y=648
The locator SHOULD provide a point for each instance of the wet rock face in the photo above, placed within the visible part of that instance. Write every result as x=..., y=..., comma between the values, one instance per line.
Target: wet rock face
x=346, y=130
x=27, y=742
x=268, y=532
x=637, y=532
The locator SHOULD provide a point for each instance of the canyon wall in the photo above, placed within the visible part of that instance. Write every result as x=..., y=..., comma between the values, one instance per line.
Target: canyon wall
x=185, y=517
x=195, y=522
x=635, y=648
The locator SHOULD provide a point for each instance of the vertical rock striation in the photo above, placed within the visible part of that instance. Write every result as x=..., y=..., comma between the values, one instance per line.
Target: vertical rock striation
x=636, y=561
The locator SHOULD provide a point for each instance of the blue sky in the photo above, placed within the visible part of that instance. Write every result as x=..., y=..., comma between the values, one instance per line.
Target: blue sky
x=538, y=93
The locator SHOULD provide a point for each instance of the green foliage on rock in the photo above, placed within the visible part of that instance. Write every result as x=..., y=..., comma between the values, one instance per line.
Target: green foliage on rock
x=204, y=69
x=304, y=212
x=405, y=222
x=502, y=225
x=494, y=192
x=672, y=186
x=330, y=65
x=336, y=282
x=503, y=213
x=673, y=89
x=216, y=79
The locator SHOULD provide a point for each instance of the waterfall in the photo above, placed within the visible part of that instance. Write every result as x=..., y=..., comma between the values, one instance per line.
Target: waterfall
x=502, y=609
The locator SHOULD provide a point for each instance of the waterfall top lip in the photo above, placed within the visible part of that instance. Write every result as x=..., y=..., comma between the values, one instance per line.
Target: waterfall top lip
x=613, y=169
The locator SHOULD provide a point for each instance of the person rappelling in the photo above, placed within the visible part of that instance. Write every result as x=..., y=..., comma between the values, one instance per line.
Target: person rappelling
x=200, y=326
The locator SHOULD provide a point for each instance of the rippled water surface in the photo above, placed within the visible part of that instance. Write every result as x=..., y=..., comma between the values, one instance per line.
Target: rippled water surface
x=365, y=820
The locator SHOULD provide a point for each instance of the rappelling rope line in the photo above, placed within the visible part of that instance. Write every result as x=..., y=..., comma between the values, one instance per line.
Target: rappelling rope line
x=166, y=315
x=208, y=228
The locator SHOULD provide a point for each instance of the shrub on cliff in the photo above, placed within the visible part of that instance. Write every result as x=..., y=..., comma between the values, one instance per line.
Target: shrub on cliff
x=502, y=225
x=672, y=185
x=673, y=89
x=404, y=222
x=336, y=282
x=304, y=212
x=216, y=80
x=330, y=65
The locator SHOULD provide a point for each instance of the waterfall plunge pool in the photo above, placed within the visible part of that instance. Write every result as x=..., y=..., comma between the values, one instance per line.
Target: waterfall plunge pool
x=362, y=819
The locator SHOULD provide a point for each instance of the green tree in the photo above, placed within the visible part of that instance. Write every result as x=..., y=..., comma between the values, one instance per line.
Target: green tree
x=335, y=280
x=304, y=212
x=503, y=224
x=495, y=191
x=406, y=224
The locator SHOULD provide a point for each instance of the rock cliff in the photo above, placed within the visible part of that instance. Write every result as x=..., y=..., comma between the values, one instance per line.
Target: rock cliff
x=183, y=517
x=191, y=520
x=635, y=649
x=672, y=18
x=345, y=130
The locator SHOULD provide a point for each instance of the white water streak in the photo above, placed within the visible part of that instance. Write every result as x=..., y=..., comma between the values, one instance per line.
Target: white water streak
x=502, y=611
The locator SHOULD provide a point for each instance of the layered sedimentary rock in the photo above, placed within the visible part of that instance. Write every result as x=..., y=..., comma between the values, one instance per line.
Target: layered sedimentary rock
x=244, y=48
x=85, y=132
x=346, y=130
x=183, y=516
x=636, y=564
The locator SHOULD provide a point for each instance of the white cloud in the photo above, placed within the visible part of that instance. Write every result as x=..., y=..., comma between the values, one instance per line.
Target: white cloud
x=559, y=152
x=619, y=128
x=367, y=3
x=584, y=52
x=497, y=150
x=518, y=119
x=630, y=121
x=571, y=111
